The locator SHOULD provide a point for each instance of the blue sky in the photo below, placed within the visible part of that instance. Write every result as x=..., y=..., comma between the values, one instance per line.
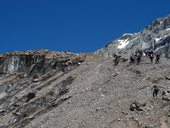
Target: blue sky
x=73, y=25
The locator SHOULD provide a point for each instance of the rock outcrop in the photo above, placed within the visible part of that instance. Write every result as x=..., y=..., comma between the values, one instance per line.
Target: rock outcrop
x=25, y=76
x=38, y=62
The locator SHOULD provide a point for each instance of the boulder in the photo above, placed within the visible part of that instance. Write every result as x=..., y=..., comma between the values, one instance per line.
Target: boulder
x=30, y=96
x=166, y=95
x=167, y=77
x=166, y=98
x=137, y=106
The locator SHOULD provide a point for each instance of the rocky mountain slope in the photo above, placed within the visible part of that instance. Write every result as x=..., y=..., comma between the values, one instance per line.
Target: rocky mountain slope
x=155, y=36
x=47, y=89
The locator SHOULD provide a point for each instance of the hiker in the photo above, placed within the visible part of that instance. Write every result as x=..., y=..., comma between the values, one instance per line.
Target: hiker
x=157, y=58
x=155, y=90
x=132, y=59
x=138, y=54
x=138, y=59
x=151, y=56
x=116, y=59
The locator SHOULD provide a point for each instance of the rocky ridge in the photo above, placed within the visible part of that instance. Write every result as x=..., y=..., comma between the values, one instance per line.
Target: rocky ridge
x=155, y=36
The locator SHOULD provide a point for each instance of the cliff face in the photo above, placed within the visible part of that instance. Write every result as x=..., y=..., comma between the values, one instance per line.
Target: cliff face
x=26, y=76
x=155, y=36
x=38, y=62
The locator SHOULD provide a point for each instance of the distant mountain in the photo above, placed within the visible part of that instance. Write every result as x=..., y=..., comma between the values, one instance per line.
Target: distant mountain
x=155, y=36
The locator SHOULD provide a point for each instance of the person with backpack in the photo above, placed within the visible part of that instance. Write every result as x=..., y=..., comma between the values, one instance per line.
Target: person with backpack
x=132, y=59
x=155, y=90
x=139, y=56
x=151, y=56
x=157, y=58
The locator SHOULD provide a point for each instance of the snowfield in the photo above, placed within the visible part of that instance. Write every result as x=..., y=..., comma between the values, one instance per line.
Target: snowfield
x=122, y=43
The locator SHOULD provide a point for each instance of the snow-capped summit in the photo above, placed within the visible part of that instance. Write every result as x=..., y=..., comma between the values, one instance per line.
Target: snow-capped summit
x=155, y=36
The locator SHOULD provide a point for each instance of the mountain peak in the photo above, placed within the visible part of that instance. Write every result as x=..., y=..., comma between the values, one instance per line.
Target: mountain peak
x=159, y=24
x=155, y=36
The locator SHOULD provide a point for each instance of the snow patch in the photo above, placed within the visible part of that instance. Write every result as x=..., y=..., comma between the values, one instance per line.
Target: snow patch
x=165, y=36
x=168, y=29
x=122, y=43
x=128, y=34
x=145, y=46
x=157, y=39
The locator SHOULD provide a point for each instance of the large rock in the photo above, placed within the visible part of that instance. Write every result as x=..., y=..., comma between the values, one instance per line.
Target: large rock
x=166, y=94
x=137, y=106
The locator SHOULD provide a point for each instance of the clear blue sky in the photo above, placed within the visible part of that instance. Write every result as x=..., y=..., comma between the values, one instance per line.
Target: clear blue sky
x=73, y=25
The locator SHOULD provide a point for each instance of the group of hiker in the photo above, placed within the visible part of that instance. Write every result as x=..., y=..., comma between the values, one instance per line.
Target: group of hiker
x=151, y=56
x=137, y=56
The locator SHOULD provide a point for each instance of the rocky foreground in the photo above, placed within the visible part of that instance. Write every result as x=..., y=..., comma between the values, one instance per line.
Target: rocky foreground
x=43, y=89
